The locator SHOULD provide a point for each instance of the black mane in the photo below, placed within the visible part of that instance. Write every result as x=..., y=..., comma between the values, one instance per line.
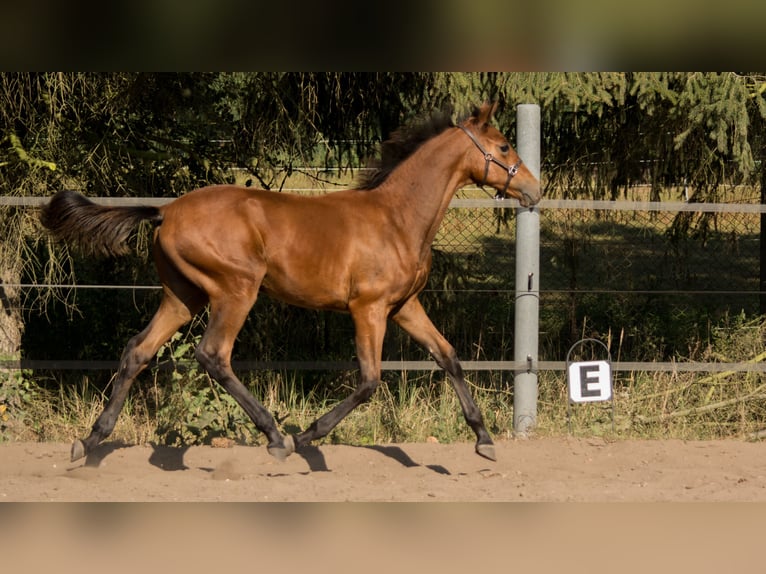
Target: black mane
x=402, y=144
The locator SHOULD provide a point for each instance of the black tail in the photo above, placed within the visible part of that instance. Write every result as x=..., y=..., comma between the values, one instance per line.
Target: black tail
x=96, y=229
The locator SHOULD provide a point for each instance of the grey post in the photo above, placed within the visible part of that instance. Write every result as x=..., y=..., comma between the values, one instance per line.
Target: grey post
x=527, y=279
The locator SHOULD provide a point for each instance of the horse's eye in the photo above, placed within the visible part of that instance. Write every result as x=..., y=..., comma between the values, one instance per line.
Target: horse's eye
x=505, y=147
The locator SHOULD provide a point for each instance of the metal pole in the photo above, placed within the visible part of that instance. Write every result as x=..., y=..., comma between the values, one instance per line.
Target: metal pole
x=527, y=279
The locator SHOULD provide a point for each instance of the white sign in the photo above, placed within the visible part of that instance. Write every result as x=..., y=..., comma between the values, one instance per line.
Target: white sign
x=590, y=381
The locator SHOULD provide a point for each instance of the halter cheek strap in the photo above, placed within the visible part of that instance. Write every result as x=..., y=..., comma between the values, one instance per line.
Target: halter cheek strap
x=489, y=158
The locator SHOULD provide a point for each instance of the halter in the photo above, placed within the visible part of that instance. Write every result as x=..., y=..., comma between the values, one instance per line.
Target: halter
x=489, y=158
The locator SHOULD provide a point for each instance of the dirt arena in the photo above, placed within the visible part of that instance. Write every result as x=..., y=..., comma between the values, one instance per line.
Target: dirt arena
x=538, y=469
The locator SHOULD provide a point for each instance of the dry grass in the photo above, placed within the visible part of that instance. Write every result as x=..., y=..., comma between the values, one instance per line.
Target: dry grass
x=420, y=407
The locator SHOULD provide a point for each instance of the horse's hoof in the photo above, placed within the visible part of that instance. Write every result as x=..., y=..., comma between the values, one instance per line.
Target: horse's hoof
x=486, y=450
x=281, y=453
x=78, y=450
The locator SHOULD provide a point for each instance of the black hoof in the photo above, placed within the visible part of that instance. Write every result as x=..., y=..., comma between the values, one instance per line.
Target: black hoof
x=487, y=451
x=78, y=450
x=281, y=453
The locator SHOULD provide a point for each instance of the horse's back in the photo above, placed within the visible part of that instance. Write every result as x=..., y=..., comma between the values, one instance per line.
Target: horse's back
x=304, y=250
x=233, y=199
x=212, y=197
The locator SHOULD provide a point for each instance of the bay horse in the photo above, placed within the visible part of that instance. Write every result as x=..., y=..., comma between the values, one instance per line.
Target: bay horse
x=365, y=251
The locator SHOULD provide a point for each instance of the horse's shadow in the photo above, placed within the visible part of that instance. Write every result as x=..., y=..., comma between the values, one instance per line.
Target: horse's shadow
x=404, y=459
x=317, y=462
x=170, y=458
x=95, y=457
x=163, y=457
x=313, y=457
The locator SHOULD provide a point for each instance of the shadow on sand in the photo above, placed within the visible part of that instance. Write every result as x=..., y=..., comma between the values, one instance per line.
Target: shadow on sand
x=170, y=458
x=404, y=459
x=94, y=458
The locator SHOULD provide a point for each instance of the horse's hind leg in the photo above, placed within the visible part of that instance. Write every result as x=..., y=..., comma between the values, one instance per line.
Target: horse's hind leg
x=227, y=315
x=170, y=316
x=413, y=319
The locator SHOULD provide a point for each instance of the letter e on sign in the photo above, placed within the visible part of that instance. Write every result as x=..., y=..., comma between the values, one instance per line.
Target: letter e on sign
x=590, y=381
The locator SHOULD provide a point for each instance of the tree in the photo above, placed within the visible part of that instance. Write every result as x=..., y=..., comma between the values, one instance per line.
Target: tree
x=602, y=131
x=280, y=121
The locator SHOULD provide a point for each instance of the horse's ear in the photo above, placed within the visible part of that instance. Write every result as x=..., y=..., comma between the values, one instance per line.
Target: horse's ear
x=492, y=109
x=482, y=116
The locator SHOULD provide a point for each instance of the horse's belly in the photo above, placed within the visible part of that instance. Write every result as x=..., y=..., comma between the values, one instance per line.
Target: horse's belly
x=310, y=295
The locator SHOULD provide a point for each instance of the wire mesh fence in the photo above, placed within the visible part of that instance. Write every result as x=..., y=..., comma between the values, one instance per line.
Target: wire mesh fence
x=649, y=279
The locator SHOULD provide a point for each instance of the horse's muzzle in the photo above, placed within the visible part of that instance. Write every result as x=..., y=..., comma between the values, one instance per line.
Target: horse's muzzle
x=529, y=199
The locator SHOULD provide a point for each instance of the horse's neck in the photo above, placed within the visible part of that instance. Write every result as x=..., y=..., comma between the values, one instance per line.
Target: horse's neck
x=421, y=189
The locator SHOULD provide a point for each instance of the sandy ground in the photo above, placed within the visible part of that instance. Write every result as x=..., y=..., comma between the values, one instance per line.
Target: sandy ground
x=653, y=532
x=538, y=469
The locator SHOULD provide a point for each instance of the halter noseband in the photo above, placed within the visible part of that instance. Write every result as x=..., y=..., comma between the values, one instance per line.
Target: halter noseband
x=489, y=158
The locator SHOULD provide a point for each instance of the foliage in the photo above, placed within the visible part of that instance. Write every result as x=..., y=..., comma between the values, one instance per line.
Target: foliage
x=161, y=134
x=198, y=412
x=17, y=393
x=282, y=121
x=604, y=131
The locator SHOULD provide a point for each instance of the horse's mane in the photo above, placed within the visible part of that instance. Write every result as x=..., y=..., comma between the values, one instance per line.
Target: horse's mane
x=402, y=144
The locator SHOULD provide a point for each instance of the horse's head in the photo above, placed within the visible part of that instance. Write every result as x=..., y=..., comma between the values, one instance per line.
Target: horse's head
x=494, y=162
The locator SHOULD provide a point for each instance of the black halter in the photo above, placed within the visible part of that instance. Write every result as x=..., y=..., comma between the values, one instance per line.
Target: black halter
x=489, y=158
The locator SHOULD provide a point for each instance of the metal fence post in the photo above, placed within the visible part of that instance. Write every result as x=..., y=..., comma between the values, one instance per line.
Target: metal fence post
x=527, y=278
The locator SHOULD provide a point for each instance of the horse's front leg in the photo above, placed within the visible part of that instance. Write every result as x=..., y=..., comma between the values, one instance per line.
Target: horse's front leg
x=413, y=319
x=370, y=324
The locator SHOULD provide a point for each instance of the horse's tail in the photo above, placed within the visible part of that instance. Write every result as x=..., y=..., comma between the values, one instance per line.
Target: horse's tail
x=96, y=229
